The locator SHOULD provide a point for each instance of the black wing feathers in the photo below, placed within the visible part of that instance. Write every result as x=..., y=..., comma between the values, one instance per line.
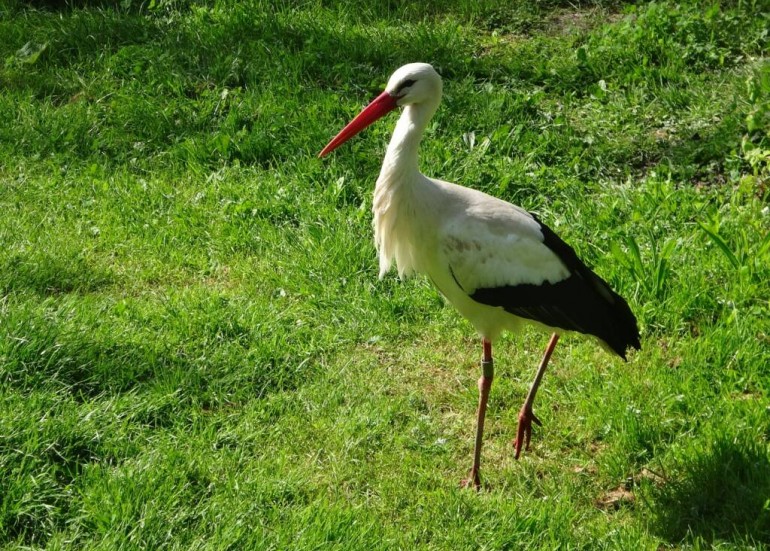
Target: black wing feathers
x=582, y=302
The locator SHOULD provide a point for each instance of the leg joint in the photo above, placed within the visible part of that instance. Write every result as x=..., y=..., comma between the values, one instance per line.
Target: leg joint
x=488, y=368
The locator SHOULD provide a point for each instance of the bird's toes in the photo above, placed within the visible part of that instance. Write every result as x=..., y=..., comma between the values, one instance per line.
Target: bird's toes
x=535, y=420
x=473, y=481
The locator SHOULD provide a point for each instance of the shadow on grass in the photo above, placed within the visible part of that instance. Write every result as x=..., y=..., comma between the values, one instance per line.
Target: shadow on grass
x=721, y=493
x=195, y=344
x=702, y=155
x=53, y=274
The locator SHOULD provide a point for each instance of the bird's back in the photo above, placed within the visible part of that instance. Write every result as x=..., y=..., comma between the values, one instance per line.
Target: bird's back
x=503, y=257
x=581, y=302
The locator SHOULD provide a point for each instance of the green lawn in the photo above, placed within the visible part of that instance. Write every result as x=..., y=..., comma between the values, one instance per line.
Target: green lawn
x=196, y=351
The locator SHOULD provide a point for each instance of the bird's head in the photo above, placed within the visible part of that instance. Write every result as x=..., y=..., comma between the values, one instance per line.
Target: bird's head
x=412, y=84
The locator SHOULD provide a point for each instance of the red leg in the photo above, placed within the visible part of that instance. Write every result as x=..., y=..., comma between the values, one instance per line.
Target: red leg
x=526, y=416
x=485, y=384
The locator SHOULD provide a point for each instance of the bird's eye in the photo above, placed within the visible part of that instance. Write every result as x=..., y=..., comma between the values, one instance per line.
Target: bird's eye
x=403, y=85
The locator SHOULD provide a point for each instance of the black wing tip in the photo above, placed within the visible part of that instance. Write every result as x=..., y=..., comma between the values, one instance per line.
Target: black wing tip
x=622, y=342
x=624, y=332
x=620, y=330
x=623, y=350
x=572, y=304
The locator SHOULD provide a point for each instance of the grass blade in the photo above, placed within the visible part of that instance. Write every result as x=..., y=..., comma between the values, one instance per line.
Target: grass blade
x=722, y=245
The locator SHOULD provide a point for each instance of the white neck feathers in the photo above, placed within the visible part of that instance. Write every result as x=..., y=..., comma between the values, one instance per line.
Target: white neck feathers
x=395, y=214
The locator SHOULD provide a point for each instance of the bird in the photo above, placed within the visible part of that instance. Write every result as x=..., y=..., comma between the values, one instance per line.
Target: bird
x=500, y=266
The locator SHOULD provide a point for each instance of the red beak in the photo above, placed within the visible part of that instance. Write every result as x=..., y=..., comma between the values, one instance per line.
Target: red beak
x=381, y=106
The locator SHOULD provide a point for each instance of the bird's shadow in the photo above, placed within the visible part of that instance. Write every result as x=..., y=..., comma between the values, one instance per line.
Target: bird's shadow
x=721, y=493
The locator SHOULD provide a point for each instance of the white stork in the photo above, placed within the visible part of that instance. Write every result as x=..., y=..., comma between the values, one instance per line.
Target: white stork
x=495, y=262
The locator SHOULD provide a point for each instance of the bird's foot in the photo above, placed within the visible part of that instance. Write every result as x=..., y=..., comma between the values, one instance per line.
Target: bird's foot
x=473, y=480
x=524, y=431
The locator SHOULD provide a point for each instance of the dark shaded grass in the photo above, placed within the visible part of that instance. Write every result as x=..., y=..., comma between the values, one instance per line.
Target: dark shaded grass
x=47, y=274
x=716, y=490
x=214, y=96
x=188, y=341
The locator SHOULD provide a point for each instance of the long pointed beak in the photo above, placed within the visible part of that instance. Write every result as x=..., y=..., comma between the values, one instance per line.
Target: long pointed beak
x=381, y=106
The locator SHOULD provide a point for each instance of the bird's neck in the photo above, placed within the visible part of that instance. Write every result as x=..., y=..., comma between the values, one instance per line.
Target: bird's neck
x=401, y=157
x=395, y=225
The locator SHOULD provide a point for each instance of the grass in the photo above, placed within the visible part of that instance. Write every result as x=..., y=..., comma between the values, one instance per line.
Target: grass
x=196, y=352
